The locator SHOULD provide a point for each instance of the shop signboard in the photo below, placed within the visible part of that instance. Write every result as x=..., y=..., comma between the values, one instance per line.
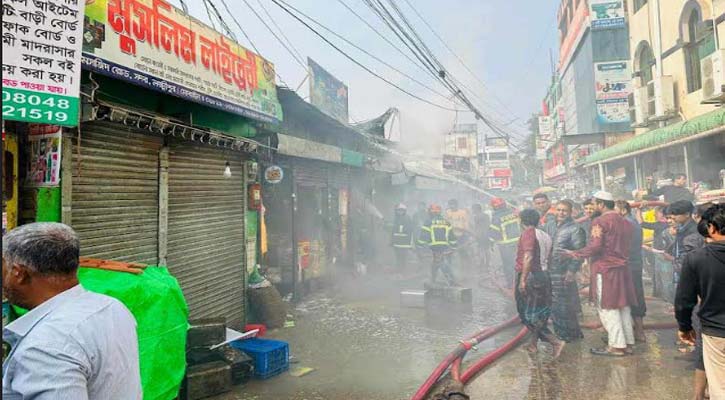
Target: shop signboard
x=545, y=137
x=273, y=174
x=612, y=82
x=42, y=60
x=456, y=163
x=607, y=14
x=328, y=93
x=44, y=155
x=471, y=129
x=152, y=44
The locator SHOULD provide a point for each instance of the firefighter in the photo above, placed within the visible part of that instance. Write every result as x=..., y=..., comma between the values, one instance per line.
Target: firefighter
x=505, y=231
x=437, y=234
x=402, y=238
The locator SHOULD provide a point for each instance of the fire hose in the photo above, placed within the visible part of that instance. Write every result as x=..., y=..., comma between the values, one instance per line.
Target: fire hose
x=455, y=358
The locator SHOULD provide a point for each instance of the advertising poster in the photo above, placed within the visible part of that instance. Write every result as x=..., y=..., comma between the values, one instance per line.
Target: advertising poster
x=328, y=93
x=456, y=163
x=152, y=44
x=607, y=14
x=42, y=60
x=612, y=82
x=545, y=137
x=44, y=156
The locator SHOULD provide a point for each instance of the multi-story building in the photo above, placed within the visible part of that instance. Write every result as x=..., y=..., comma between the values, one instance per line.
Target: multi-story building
x=588, y=97
x=677, y=93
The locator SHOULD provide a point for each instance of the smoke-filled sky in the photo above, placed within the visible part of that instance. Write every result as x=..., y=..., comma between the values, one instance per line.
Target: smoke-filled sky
x=506, y=44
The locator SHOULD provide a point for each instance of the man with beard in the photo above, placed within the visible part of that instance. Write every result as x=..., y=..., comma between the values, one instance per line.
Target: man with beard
x=611, y=286
x=567, y=235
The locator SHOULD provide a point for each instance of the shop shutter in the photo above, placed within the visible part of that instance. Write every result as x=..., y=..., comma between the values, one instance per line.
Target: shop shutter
x=310, y=173
x=206, y=230
x=115, y=192
x=339, y=177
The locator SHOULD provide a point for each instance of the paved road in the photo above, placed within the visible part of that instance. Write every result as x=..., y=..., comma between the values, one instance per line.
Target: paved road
x=365, y=346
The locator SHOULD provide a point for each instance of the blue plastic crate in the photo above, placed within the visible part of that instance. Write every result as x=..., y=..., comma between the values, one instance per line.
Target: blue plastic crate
x=271, y=357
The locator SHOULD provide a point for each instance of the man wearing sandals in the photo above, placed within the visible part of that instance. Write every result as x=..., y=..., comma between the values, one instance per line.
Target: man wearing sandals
x=611, y=285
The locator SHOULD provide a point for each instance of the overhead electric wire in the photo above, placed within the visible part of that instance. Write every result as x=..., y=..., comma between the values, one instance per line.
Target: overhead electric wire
x=249, y=39
x=460, y=60
x=356, y=62
x=428, y=58
x=444, y=73
x=391, y=24
x=385, y=38
x=208, y=13
x=281, y=31
x=376, y=58
x=300, y=62
x=222, y=22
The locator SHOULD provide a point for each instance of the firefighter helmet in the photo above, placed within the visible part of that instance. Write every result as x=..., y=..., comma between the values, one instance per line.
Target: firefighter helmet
x=497, y=202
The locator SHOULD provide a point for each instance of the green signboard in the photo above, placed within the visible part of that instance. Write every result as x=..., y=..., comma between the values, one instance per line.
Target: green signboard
x=39, y=107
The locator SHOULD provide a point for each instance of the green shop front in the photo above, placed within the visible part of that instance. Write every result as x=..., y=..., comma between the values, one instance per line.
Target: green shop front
x=160, y=165
x=695, y=147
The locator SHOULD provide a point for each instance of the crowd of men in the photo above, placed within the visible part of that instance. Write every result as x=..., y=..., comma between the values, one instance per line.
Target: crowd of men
x=547, y=250
x=74, y=344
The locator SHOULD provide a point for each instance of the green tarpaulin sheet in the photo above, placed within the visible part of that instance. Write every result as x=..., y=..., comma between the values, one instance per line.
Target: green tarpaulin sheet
x=156, y=301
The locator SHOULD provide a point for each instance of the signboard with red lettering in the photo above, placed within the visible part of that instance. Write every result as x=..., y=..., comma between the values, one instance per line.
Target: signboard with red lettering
x=42, y=60
x=152, y=44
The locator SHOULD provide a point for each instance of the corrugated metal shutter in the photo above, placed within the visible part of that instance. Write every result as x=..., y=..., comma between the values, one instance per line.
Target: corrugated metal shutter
x=339, y=177
x=310, y=173
x=206, y=230
x=115, y=193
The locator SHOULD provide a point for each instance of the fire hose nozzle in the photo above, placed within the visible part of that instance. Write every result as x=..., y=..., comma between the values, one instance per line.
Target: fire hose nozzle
x=469, y=344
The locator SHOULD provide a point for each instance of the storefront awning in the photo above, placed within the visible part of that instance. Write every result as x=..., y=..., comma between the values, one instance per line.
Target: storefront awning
x=703, y=125
x=298, y=147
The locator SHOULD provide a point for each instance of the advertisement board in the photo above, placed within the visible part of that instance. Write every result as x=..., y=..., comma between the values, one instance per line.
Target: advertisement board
x=42, y=60
x=545, y=137
x=612, y=81
x=328, y=93
x=44, y=152
x=456, y=163
x=465, y=128
x=607, y=14
x=152, y=44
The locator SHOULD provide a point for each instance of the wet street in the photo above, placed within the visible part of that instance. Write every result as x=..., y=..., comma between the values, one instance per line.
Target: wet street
x=364, y=345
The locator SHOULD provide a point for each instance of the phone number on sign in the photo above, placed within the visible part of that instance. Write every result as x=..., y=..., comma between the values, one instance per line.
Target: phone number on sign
x=35, y=107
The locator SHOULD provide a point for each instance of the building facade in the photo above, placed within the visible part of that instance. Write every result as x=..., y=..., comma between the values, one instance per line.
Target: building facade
x=587, y=101
x=677, y=85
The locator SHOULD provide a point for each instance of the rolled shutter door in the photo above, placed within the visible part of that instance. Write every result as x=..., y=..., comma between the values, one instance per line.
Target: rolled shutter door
x=115, y=192
x=206, y=230
x=310, y=173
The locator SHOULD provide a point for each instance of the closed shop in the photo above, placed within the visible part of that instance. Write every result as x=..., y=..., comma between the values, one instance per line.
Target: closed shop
x=311, y=219
x=206, y=232
x=115, y=192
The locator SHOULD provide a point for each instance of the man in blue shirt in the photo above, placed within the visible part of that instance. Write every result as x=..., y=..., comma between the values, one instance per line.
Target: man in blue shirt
x=72, y=344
